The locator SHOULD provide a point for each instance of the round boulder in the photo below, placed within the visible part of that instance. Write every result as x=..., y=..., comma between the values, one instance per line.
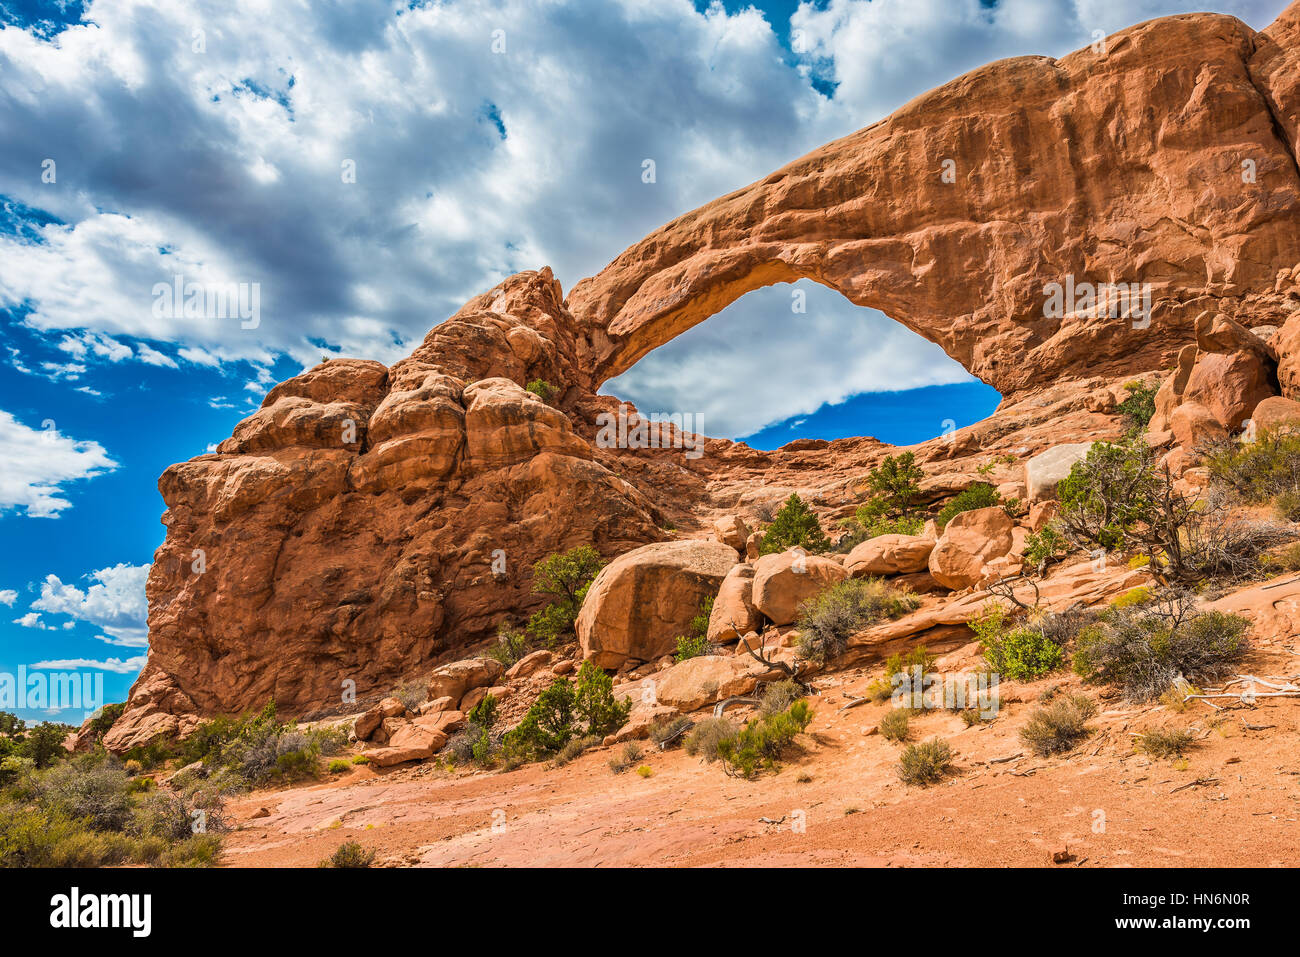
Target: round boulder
x=969, y=541
x=644, y=599
x=784, y=581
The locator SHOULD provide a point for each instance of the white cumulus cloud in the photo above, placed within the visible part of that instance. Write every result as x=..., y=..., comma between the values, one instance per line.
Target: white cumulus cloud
x=40, y=462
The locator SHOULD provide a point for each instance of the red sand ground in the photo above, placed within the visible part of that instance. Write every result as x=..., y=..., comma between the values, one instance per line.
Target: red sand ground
x=1235, y=799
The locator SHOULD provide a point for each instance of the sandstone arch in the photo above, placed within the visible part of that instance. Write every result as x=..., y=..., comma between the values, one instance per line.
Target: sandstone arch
x=1116, y=167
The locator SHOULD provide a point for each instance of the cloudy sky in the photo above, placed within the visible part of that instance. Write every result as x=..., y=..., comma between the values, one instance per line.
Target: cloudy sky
x=370, y=166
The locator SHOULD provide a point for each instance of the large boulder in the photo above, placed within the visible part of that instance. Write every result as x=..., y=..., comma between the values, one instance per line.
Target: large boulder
x=643, y=600
x=969, y=541
x=734, y=613
x=784, y=581
x=369, y=722
x=889, y=555
x=1275, y=414
x=1230, y=385
x=454, y=679
x=1046, y=469
x=732, y=531
x=1194, y=426
x=1170, y=393
x=703, y=680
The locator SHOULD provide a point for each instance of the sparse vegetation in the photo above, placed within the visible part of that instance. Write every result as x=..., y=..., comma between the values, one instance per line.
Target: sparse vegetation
x=629, y=756
x=541, y=388
x=565, y=577
x=795, y=525
x=1044, y=547
x=511, y=645
x=893, y=487
x=762, y=741
x=828, y=621
x=1140, y=406
x=1164, y=742
x=1058, y=726
x=925, y=763
x=1264, y=471
x=896, y=725
x=1115, y=499
x=559, y=712
x=696, y=641
x=668, y=732
x=1145, y=649
x=704, y=738
x=350, y=854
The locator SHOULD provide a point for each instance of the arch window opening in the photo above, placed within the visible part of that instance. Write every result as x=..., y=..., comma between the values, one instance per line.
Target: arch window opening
x=799, y=361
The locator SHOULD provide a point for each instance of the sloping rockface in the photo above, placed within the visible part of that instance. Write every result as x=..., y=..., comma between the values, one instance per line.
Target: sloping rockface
x=345, y=535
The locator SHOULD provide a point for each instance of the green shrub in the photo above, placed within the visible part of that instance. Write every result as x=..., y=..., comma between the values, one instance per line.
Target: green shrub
x=1023, y=654
x=779, y=695
x=1043, y=547
x=338, y=766
x=1145, y=649
x=594, y=701
x=484, y=714
x=925, y=763
x=827, y=621
x=795, y=526
x=1165, y=742
x=896, y=725
x=350, y=854
x=541, y=388
x=917, y=657
x=978, y=495
x=511, y=645
x=566, y=577
x=1265, y=470
x=705, y=737
x=548, y=725
x=105, y=719
x=762, y=740
x=696, y=641
x=1132, y=598
x=1059, y=726
x=1140, y=405
x=1115, y=499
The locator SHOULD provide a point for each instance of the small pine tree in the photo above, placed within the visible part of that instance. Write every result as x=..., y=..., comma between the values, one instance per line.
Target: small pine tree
x=594, y=701
x=795, y=525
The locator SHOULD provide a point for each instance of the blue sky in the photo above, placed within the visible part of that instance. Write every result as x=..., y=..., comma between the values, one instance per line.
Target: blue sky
x=144, y=139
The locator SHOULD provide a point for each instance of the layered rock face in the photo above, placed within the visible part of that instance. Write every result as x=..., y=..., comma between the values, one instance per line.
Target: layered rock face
x=369, y=522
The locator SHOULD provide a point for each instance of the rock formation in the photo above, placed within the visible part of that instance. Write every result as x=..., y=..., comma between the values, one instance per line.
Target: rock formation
x=369, y=523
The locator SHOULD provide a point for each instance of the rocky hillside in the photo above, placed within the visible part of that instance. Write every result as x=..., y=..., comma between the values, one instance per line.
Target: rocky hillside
x=369, y=524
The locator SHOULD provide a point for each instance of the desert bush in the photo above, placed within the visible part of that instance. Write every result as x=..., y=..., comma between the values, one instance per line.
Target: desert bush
x=412, y=693
x=338, y=766
x=1145, y=649
x=594, y=701
x=565, y=577
x=762, y=740
x=1288, y=559
x=576, y=748
x=1061, y=627
x=350, y=854
x=1023, y=654
x=795, y=525
x=925, y=763
x=93, y=789
x=778, y=695
x=1164, y=742
x=1140, y=406
x=977, y=495
x=629, y=756
x=918, y=656
x=827, y=621
x=548, y=724
x=511, y=645
x=1043, y=547
x=1265, y=470
x=540, y=388
x=1058, y=726
x=1116, y=499
x=696, y=642
x=669, y=731
x=706, y=735
x=896, y=725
